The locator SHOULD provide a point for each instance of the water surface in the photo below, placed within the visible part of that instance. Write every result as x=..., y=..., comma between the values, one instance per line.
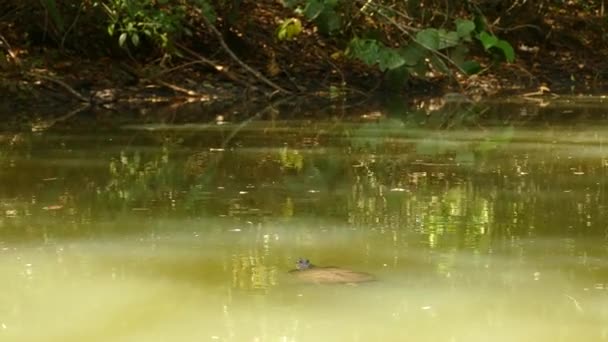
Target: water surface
x=168, y=232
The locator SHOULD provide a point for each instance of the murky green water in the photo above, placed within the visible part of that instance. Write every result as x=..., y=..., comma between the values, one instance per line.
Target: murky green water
x=172, y=233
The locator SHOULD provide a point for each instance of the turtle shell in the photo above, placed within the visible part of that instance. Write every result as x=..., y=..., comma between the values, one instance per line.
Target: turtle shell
x=331, y=275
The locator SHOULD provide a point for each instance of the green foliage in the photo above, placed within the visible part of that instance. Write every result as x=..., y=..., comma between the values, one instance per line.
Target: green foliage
x=138, y=178
x=470, y=67
x=158, y=23
x=490, y=41
x=420, y=54
x=372, y=52
x=434, y=39
x=416, y=51
x=464, y=29
x=161, y=21
x=291, y=159
x=324, y=13
x=392, y=36
x=289, y=29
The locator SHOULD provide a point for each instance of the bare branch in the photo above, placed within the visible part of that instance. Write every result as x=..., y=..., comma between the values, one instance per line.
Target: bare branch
x=254, y=72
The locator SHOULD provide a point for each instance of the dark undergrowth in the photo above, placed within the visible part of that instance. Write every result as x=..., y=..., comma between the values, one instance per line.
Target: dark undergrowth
x=99, y=52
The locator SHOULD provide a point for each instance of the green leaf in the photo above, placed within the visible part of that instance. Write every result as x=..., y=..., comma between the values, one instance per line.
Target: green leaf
x=164, y=41
x=507, y=50
x=122, y=39
x=428, y=38
x=470, y=67
x=328, y=21
x=371, y=52
x=413, y=54
x=390, y=59
x=487, y=40
x=480, y=23
x=313, y=9
x=366, y=50
x=464, y=28
x=289, y=29
x=447, y=39
x=459, y=53
x=135, y=39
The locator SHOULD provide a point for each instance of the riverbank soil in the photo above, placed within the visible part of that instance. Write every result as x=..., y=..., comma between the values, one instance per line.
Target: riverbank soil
x=560, y=50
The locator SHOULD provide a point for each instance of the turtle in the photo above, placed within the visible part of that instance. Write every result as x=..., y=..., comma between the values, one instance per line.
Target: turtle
x=307, y=272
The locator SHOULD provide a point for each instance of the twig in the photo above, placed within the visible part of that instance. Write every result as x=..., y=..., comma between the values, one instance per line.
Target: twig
x=254, y=72
x=202, y=60
x=65, y=35
x=181, y=66
x=578, y=307
x=173, y=87
x=9, y=49
x=377, y=7
x=392, y=9
x=62, y=84
x=329, y=61
x=542, y=90
x=291, y=80
x=518, y=27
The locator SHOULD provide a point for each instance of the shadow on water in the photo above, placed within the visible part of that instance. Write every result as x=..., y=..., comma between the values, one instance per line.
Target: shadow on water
x=475, y=227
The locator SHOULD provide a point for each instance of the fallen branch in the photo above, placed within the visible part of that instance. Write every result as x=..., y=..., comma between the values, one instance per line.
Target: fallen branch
x=254, y=72
x=62, y=84
x=178, y=89
x=542, y=91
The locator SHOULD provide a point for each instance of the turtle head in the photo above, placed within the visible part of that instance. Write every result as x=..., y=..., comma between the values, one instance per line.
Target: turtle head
x=303, y=264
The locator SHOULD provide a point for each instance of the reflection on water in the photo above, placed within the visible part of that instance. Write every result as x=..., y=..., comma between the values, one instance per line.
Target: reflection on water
x=494, y=234
x=200, y=280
